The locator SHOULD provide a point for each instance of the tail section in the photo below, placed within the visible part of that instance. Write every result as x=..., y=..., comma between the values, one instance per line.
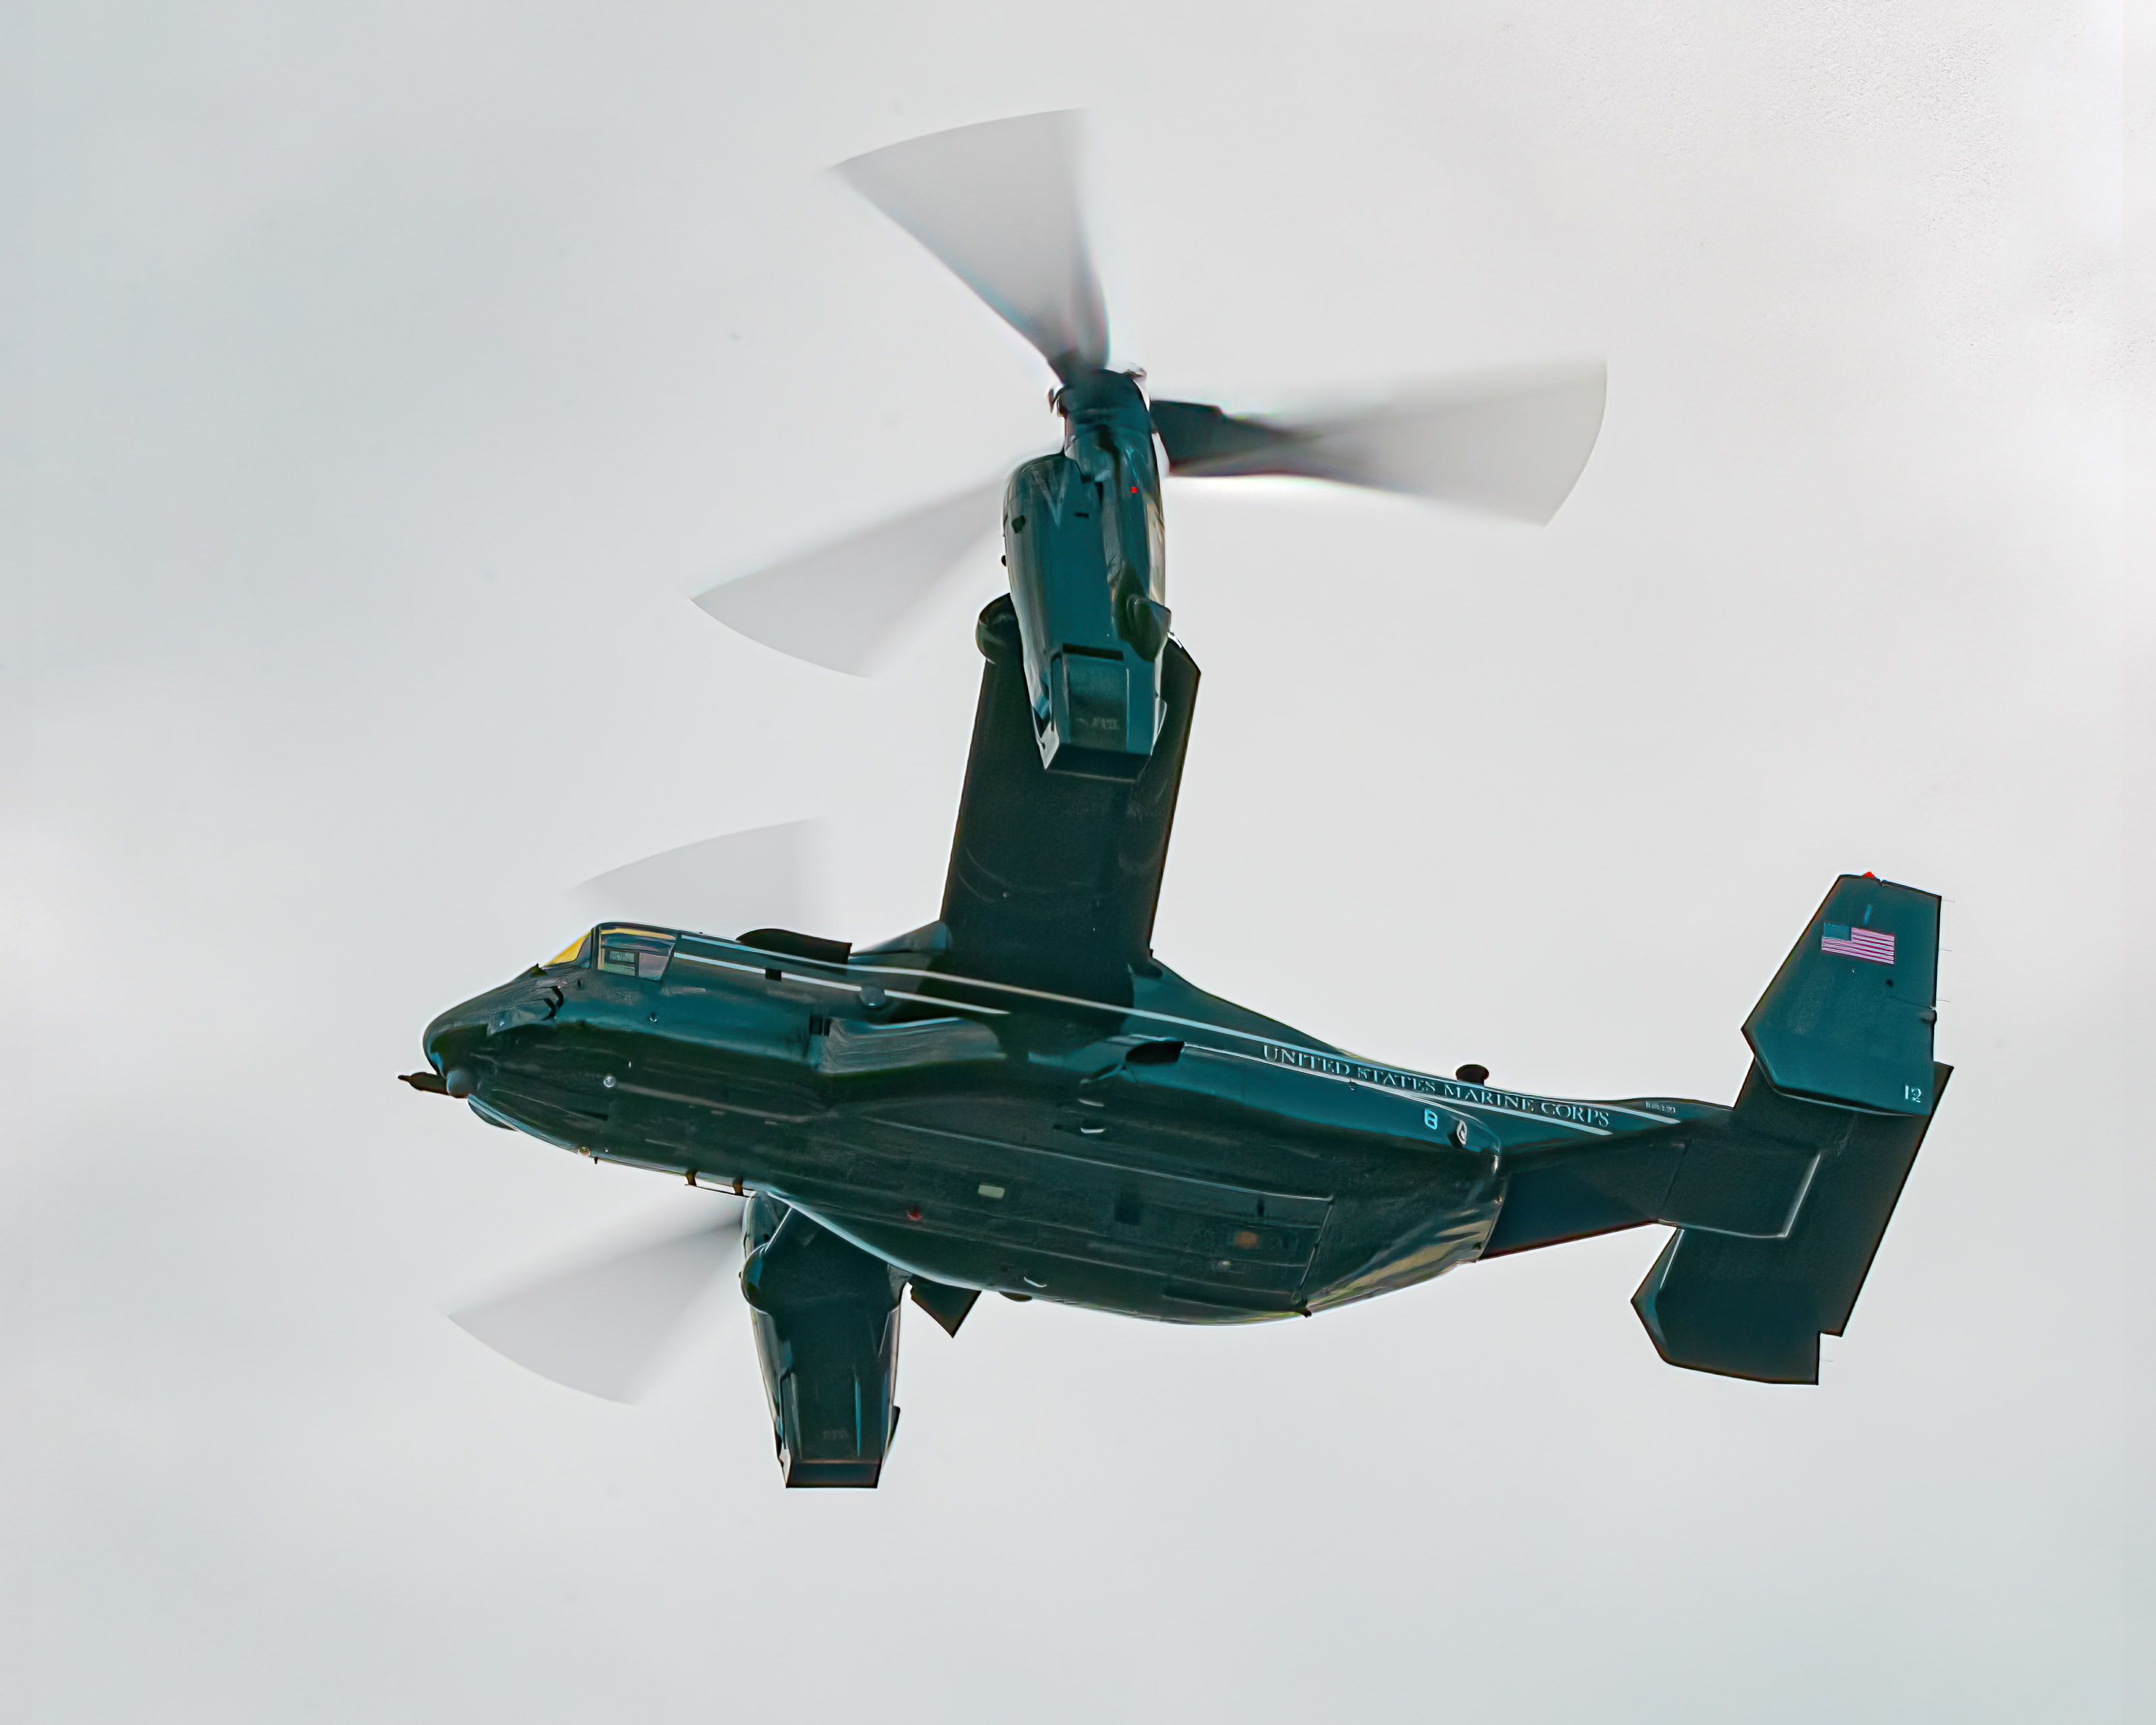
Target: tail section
x=1842, y=1069
x=1756, y=1309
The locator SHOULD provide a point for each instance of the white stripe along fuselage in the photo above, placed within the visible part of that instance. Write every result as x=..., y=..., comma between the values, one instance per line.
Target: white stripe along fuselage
x=1592, y=1119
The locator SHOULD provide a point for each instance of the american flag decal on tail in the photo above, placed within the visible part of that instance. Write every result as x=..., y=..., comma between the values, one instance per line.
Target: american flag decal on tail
x=1866, y=943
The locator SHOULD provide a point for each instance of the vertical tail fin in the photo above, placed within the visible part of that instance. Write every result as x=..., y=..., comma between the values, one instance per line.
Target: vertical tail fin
x=1848, y=1018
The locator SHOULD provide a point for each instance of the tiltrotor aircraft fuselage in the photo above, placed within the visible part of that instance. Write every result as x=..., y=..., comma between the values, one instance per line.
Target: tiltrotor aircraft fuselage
x=1019, y=1098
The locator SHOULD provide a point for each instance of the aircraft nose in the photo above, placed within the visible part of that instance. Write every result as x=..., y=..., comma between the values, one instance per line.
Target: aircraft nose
x=455, y=1043
x=449, y=1042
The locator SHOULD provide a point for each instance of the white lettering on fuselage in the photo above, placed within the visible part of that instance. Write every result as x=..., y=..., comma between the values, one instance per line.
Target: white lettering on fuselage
x=1444, y=1090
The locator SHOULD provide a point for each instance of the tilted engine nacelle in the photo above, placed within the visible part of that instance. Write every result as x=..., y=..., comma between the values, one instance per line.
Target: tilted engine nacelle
x=827, y=1338
x=826, y=1319
x=1082, y=542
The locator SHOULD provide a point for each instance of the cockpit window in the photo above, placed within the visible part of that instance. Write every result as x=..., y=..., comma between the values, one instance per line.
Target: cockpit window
x=634, y=951
x=573, y=954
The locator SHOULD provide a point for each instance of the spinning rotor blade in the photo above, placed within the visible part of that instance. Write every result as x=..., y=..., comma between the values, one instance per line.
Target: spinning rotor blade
x=603, y=1326
x=838, y=606
x=998, y=204
x=765, y=877
x=1511, y=445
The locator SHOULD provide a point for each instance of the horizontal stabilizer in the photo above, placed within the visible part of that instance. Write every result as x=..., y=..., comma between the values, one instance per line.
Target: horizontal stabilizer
x=1756, y=1307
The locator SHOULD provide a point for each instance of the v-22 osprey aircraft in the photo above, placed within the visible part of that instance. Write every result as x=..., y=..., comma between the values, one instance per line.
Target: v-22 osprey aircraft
x=1018, y=1097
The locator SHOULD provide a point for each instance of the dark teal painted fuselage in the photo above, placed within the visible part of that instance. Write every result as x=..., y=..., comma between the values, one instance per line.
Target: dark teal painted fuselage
x=1019, y=1097
x=1174, y=1158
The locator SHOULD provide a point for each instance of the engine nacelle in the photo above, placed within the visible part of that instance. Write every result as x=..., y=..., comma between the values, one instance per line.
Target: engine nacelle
x=826, y=1319
x=1082, y=542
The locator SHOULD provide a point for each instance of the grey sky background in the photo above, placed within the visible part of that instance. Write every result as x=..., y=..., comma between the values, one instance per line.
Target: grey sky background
x=393, y=373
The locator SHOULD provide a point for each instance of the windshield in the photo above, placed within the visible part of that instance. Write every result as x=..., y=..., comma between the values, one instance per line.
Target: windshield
x=634, y=951
x=573, y=954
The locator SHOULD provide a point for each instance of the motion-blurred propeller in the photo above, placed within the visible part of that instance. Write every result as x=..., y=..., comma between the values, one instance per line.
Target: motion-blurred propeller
x=774, y=877
x=606, y=1324
x=997, y=205
x=1513, y=445
x=603, y=1326
x=841, y=604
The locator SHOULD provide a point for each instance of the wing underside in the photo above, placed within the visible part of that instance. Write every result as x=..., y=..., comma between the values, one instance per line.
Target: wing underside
x=1054, y=879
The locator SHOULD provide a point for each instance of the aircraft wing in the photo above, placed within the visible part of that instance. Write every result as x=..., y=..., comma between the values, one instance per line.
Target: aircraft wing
x=1054, y=878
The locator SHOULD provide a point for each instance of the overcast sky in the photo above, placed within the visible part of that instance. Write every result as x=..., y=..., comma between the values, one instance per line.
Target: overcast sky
x=394, y=372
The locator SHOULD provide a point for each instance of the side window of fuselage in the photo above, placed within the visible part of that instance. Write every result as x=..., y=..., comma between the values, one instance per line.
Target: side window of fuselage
x=633, y=951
